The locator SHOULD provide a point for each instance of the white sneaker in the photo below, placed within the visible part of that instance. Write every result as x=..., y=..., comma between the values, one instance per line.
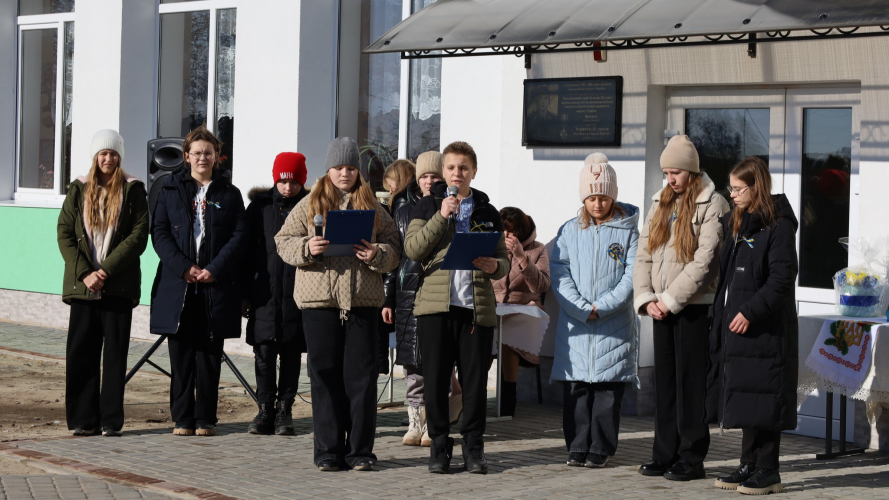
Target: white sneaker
x=415, y=430
x=455, y=407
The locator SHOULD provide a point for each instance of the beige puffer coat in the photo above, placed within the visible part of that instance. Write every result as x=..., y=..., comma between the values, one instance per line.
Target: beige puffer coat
x=663, y=277
x=337, y=282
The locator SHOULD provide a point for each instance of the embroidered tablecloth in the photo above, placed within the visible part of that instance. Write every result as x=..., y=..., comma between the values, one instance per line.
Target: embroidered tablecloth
x=845, y=356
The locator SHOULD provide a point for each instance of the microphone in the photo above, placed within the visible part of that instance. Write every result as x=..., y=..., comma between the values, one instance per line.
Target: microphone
x=452, y=191
x=319, y=231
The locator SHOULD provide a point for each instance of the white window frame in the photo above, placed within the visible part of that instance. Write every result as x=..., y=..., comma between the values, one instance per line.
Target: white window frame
x=36, y=196
x=785, y=103
x=180, y=7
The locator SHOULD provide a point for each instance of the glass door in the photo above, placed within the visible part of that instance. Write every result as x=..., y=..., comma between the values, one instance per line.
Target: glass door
x=808, y=136
x=728, y=124
x=821, y=182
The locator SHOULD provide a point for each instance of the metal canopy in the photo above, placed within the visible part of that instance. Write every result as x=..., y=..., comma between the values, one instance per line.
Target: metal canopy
x=490, y=27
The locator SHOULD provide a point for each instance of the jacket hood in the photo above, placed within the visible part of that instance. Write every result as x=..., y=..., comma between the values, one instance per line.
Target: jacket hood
x=784, y=210
x=704, y=197
x=258, y=192
x=629, y=221
x=411, y=193
x=272, y=193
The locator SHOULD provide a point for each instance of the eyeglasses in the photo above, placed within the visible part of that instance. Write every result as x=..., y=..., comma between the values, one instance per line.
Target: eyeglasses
x=202, y=155
x=737, y=191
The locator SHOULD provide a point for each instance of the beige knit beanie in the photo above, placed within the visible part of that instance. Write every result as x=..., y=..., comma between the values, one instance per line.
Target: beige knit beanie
x=597, y=178
x=429, y=162
x=680, y=154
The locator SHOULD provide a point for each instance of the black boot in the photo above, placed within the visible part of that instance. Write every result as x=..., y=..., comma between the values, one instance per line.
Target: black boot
x=284, y=418
x=474, y=455
x=264, y=422
x=683, y=470
x=440, y=454
x=763, y=482
x=507, y=399
x=731, y=482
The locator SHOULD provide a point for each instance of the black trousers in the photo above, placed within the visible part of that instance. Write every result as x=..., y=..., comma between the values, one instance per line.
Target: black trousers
x=195, y=362
x=760, y=448
x=681, y=349
x=444, y=339
x=591, y=416
x=92, y=323
x=342, y=366
x=266, y=356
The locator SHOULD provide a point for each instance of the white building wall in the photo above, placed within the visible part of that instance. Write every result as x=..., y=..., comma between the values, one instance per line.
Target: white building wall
x=543, y=181
x=284, y=91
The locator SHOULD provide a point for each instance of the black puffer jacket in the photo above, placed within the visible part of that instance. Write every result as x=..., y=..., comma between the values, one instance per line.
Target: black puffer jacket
x=752, y=378
x=222, y=251
x=402, y=283
x=267, y=279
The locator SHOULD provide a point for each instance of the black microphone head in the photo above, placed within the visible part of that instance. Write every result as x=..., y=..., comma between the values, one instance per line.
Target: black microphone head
x=318, y=220
x=453, y=190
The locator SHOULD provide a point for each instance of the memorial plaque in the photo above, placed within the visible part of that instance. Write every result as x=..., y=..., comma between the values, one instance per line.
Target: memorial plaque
x=573, y=111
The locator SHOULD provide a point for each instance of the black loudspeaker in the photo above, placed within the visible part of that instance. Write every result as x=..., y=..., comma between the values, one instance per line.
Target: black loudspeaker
x=164, y=158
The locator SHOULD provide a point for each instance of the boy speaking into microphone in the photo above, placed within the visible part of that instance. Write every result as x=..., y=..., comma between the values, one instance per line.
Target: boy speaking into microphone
x=455, y=310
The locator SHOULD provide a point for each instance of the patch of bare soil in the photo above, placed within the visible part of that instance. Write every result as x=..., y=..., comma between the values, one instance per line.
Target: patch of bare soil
x=32, y=405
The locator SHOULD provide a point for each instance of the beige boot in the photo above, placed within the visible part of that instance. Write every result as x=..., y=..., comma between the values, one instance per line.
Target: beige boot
x=455, y=407
x=415, y=429
x=425, y=440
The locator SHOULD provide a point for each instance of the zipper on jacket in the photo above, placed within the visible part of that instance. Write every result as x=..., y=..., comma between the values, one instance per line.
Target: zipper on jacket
x=728, y=288
x=595, y=294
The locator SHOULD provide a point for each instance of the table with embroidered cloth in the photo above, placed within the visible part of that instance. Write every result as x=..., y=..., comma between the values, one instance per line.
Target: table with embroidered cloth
x=847, y=356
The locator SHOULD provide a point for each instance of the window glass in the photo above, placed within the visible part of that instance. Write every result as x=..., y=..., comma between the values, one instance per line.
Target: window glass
x=379, y=94
x=826, y=169
x=424, y=120
x=183, y=72
x=723, y=137
x=225, y=80
x=37, y=108
x=68, y=98
x=32, y=7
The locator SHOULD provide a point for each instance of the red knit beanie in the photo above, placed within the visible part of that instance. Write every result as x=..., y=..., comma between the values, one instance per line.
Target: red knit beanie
x=290, y=166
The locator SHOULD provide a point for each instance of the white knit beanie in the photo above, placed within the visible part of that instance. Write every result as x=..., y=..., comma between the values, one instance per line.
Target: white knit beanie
x=107, y=139
x=597, y=178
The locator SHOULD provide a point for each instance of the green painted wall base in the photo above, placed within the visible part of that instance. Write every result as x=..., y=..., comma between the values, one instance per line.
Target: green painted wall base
x=29, y=253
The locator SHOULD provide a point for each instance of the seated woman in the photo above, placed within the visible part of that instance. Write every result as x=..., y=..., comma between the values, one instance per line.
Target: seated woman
x=527, y=281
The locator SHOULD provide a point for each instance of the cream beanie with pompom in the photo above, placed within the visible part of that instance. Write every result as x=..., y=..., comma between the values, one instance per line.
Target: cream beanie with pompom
x=597, y=178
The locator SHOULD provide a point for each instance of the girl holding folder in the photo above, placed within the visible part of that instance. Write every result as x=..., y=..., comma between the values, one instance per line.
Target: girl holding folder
x=341, y=300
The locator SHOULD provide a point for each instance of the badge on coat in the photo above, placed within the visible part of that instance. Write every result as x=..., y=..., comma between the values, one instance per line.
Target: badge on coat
x=616, y=252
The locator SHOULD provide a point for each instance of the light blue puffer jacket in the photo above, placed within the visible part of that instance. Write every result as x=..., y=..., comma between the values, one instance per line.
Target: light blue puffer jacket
x=585, y=275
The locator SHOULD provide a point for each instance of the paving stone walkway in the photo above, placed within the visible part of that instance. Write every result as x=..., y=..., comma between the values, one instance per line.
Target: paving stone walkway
x=71, y=487
x=526, y=457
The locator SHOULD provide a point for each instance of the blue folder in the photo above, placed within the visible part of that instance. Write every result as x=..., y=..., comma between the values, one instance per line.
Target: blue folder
x=346, y=228
x=466, y=247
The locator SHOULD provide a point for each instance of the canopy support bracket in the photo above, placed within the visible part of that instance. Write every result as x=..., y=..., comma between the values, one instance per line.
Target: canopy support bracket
x=751, y=47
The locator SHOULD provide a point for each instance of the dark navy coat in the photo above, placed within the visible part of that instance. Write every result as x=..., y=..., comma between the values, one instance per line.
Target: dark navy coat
x=222, y=250
x=268, y=280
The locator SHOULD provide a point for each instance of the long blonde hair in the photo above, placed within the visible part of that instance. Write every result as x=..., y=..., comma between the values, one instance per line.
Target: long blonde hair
x=684, y=242
x=402, y=172
x=101, y=204
x=325, y=197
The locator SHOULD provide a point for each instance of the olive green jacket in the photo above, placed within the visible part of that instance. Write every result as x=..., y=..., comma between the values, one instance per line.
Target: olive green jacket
x=122, y=263
x=427, y=241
